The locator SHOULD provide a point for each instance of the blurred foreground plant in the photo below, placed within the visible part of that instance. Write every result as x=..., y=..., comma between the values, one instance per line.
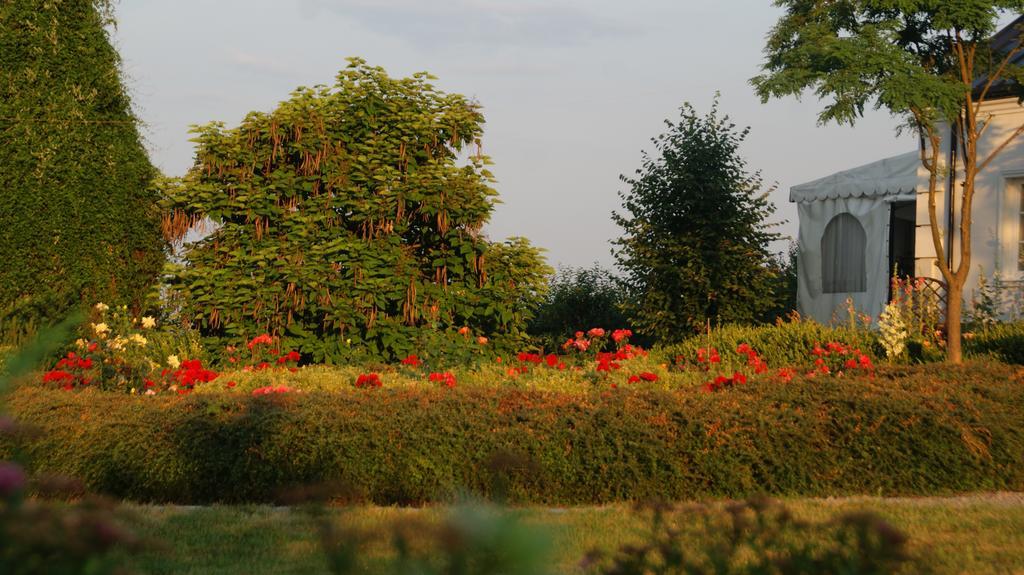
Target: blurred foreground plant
x=757, y=536
x=42, y=536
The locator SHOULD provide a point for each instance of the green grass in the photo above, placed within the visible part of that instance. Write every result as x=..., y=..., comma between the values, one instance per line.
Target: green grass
x=973, y=534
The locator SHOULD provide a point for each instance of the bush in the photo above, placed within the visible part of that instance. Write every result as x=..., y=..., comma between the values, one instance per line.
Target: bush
x=348, y=222
x=1004, y=341
x=917, y=430
x=578, y=298
x=786, y=344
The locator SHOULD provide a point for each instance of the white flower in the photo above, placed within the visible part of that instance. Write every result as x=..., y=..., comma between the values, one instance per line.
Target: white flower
x=148, y=322
x=150, y=392
x=138, y=339
x=101, y=329
x=893, y=331
x=101, y=307
x=173, y=361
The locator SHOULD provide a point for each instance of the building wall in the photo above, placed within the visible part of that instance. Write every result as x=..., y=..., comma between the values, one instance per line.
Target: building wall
x=996, y=231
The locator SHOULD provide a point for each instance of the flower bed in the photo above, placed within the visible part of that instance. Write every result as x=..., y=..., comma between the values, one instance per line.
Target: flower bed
x=908, y=430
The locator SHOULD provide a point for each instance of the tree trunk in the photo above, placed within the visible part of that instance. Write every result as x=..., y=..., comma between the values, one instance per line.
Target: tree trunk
x=954, y=308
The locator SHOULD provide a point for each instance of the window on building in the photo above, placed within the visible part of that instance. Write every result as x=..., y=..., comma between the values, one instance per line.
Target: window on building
x=843, y=269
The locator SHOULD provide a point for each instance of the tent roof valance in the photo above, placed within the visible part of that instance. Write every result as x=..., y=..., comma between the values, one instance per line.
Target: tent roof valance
x=898, y=175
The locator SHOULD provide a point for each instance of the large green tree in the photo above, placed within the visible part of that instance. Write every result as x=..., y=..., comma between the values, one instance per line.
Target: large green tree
x=695, y=244
x=931, y=63
x=78, y=218
x=349, y=220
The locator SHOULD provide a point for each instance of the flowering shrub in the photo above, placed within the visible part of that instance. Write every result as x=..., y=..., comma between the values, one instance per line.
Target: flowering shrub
x=113, y=353
x=837, y=358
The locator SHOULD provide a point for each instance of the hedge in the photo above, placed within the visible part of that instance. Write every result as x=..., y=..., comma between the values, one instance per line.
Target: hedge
x=909, y=431
x=1004, y=341
x=782, y=344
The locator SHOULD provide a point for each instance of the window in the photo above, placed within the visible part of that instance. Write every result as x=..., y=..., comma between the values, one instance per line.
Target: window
x=843, y=269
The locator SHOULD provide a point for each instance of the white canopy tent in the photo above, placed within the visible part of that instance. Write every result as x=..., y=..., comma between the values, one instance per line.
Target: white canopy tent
x=844, y=238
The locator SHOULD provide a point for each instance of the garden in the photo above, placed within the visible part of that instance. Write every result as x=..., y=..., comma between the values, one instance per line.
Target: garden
x=306, y=355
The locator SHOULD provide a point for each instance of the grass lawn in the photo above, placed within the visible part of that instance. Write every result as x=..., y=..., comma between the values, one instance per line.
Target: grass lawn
x=973, y=534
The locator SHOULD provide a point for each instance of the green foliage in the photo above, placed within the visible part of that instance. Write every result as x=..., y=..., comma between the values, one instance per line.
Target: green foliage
x=786, y=344
x=345, y=223
x=785, y=286
x=897, y=55
x=1004, y=341
x=695, y=242
x=579, y=299
x=756, y=537
x=918, y=430
x=78, y=221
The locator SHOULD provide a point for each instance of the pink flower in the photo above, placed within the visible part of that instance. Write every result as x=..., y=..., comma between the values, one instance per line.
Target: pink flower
x=596, y=332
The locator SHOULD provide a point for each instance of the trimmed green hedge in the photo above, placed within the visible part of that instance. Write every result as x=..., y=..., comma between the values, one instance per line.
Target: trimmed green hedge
x=1004, y=341
x=909, y=431
x=781, y=345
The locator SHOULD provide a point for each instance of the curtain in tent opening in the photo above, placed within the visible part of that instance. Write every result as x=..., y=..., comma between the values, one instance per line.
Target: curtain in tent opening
x=843, y=269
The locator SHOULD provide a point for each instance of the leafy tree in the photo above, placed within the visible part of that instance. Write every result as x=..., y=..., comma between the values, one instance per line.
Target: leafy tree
x=345, y=222
x=579, y=299
x=695, y=242
x=929, y=62
x=78, y=218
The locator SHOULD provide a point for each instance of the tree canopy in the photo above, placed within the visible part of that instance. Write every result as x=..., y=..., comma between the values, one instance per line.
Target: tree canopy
x=348, y=219
x=78, y=215
x=695, y=244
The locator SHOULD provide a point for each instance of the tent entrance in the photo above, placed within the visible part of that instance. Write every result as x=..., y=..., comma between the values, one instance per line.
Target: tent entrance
x=902, y=229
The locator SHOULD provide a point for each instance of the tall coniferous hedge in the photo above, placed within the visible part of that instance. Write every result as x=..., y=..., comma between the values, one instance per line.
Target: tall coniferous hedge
x=78, y=222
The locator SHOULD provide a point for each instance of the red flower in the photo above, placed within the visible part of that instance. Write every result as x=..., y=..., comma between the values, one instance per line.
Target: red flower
x=596, y=332
x=739, y=378
x=446, y=378
x=743, y=348
x=368, y=380
x=634, y=379
x=464, y=330
x=648, y=376
x=261, y=340
x=621, y=334
x=58, y=376
x=551, y=360
x=412, y=360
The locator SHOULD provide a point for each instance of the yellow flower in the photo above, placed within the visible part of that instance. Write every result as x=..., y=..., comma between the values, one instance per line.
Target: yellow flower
x=173, y=361
x=101, y=307
x=101, y=329
x=148, y=322
x=138, y=340
x=81, y=343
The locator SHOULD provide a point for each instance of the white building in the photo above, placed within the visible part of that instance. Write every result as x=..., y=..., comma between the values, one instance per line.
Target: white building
x=856, y=226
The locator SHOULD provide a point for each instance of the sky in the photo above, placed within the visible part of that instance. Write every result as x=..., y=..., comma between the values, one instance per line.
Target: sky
x=572, y=90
